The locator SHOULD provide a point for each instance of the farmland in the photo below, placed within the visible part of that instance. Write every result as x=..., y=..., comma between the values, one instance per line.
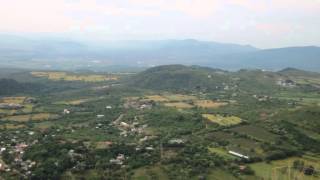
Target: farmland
x=280, y=169
x=223, y=121
x=30, y=117
x=63, y=76
x=93, y=128
x=209, y=104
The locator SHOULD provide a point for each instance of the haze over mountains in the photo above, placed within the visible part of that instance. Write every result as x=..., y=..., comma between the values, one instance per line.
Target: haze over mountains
x=61, y=54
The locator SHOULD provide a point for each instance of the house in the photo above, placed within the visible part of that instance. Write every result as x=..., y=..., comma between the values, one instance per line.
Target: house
x=238, y=155
x=66, y=111
x=30, y=100
x=100, y=116
x=2, y=149
x=176, y=141
x=149, y=148
x=124, y=124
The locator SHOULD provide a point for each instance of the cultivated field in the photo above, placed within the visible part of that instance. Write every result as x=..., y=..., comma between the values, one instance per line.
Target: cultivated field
x=255, y=132
x=31, y=117
x=209, y=104
x=57, y=76
x=280, y=169
x=15, y=100
x=179, y=105
x=223, y=121
x=11, y=126
x=157, y=98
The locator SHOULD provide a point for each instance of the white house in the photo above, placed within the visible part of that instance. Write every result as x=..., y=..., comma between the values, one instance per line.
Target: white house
x=100, y=116
x=238, y=154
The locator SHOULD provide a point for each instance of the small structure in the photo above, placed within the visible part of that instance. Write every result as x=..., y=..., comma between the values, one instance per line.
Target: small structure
x=176, y=142
x=149, y=148
x=100, y=116
x=108, y=107
x=124, y=124
x=238, y=155
x=66, y=111
x=11, y=106
x=30, y=100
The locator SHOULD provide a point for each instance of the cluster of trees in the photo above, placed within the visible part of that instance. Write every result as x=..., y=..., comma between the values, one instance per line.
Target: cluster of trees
x=11, y=86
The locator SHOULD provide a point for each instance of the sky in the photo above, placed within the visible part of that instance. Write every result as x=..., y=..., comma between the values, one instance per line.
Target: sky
x=261, y=23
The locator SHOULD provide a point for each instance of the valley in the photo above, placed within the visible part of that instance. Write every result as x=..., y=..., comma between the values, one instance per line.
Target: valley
x=167, y=122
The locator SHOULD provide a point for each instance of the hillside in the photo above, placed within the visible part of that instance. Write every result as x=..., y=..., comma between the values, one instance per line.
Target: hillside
x=306, y=58
x=179, y=77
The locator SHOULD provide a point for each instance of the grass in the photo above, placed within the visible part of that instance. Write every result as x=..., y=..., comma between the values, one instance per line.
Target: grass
x=279, y=169
x=157, y=98
x=256, y=132
x=44, y=125
x=223, y=121
x=302, y=98
x=30, y=117
x=219, y=174
x=73, y=102
x=179, y=105
x=221, y=152
x=59, y=76
x=147, y=173
x=11, y=126
x=15, y=100
x=180, y=97
x=209, y=104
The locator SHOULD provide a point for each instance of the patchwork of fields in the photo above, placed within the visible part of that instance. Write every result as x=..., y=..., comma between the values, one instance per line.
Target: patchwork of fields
x=58, y=76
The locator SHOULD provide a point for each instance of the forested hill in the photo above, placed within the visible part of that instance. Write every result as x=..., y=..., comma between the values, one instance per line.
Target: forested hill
x=189, y=78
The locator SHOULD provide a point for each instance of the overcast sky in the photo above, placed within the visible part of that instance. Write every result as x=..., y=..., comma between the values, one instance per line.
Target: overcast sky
x=262, y=23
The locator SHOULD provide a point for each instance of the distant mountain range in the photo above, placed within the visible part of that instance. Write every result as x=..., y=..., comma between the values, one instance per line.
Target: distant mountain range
x=64, y=54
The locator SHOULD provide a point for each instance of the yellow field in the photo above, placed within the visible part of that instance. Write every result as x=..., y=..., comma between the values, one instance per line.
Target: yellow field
x=73, y=102
x=30, y=117
x=223, y=121
x=179, y=97
x=179, y=105
x=157, y=98
x=209, y=104
x=56, y=76
x=102, y=145
x=11, y=126
x=15, y=100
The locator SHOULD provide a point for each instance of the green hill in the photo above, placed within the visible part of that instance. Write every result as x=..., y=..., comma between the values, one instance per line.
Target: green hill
x=179, y=77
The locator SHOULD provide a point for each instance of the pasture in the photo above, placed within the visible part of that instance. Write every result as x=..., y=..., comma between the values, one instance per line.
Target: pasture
x=221, y=152
x=221, y=120
x=255, y=132
x=280, y=169
x=179, y=105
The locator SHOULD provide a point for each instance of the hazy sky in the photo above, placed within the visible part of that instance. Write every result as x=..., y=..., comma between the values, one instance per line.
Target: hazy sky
x=263, y=23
